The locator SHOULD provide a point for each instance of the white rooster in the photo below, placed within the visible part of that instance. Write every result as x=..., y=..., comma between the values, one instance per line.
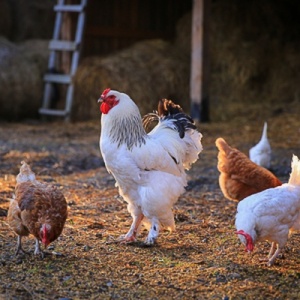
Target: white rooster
x=261, y=152
x=271, y=214
x=148, y=168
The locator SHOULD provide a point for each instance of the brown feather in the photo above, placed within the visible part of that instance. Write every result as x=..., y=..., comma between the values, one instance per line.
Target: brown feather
x=36, y=204
x=239, y=176
x=168, y=107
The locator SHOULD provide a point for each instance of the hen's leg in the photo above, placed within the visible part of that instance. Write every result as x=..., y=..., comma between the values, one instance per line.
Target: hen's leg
x=277, y=252
x=272, y=250
x=153, y=233
x=19, y=246
x=37, y=249
x=131, y=234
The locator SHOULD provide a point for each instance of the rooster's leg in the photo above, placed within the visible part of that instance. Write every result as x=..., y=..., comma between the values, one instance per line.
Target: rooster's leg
x=19, y=246
x=272, y=259
x=37, y=249
x=153, y=233
x=131, y=234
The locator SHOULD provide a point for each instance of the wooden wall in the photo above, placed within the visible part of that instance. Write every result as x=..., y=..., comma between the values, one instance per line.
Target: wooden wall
x=112, y=25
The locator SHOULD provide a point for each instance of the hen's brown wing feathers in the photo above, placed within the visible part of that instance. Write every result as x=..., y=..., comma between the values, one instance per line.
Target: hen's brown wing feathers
x=39, y=204
x=240, y=177
x=14, y=219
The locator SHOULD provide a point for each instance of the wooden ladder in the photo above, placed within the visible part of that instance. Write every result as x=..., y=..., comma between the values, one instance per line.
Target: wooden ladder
x=56, y=45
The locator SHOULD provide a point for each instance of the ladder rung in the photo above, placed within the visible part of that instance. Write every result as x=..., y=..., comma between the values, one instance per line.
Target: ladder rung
x=58, y=78
x=69, y=8
x=62, y=45
x=52, y=112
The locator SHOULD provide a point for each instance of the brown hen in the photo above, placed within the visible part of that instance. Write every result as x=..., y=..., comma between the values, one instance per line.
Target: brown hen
x=37, y=208
x=239, y=176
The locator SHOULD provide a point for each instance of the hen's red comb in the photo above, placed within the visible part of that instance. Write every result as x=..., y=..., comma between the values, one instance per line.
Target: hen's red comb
x=249, y=240
x=105, y=92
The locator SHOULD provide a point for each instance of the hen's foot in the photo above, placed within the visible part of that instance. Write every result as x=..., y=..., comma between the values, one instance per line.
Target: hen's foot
x=20, y=251
x=38, y=250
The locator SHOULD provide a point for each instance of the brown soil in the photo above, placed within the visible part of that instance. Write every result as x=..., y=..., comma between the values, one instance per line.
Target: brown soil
x=203, y=259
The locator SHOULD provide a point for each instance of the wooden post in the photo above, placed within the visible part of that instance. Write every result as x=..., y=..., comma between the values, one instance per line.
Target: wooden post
x=199, y=81
x=66, y=35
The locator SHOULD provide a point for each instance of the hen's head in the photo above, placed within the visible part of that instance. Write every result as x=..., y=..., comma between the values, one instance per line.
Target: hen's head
x=46, y=235
x=25, y=173
x=110, y=99
x=247, y=240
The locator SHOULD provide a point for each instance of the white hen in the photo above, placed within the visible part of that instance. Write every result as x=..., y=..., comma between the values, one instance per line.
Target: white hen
x=148, y=168
x=261, y=152
x=271, y=214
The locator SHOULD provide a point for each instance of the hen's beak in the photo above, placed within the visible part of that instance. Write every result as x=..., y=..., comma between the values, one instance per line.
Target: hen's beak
x=100, y=100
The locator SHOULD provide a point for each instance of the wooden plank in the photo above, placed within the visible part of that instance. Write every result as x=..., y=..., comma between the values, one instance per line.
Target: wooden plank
x=58, y=78
x=200, y=61
x=69, y=8
x=62, y=45
x=52, y=112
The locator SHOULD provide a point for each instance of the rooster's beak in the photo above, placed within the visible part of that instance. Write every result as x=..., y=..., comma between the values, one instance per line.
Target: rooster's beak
x=100, y=100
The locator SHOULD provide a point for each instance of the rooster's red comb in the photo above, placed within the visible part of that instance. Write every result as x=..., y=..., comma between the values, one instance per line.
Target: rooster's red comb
x=105, y=92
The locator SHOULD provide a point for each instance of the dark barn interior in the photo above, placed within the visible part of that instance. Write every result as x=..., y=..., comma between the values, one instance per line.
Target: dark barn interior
x=253, y=54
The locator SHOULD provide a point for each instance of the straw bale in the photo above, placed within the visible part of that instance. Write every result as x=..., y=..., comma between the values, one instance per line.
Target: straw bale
x=147, y=71
x=21, y=78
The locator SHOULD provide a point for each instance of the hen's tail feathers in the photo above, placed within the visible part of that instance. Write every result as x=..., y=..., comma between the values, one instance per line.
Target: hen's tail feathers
x=25, y=173
x=295, y=174
x=168, y=110
x=222, y=145
x=264, y=133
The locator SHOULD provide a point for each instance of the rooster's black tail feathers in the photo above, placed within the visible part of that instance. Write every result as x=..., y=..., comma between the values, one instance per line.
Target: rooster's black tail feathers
x=168, y=110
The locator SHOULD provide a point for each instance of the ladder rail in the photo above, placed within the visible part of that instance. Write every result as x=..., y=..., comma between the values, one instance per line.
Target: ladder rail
x=76, y=56
x=57, y=44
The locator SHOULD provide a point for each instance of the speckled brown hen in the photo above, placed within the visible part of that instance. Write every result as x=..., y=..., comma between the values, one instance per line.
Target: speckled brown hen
x=239, y=176
x=37, y=208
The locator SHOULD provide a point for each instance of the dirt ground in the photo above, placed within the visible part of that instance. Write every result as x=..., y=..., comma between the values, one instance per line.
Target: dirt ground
x=203, y=259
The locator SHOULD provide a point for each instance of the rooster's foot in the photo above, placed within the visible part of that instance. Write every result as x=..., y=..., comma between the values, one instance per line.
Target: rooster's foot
x=150, y=241
x=127, y=239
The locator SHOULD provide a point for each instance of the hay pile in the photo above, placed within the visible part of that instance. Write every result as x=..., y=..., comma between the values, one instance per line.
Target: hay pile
x=21, y=78
x=255, y=58
x=147, y=71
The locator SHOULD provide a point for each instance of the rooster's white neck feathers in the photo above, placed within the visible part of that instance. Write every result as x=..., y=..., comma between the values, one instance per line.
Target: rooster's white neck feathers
x=123, y=123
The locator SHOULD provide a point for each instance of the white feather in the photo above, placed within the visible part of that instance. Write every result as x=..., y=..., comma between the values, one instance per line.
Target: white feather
x=261, y=152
